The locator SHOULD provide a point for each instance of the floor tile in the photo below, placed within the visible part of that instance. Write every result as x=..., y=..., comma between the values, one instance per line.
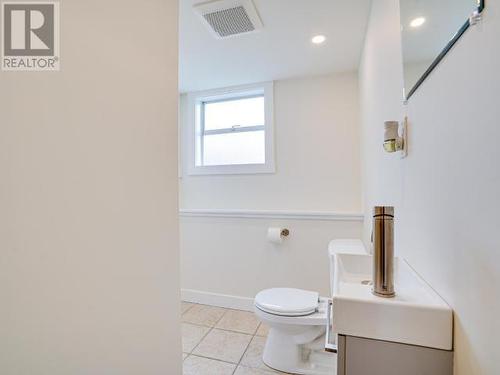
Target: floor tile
x=242, y=370
x=239, y=321
x=223, y=345
x=263, y=330
x=191, y=336
x=185, y=306
x=203, y=315
x=253, y=355
x=194, y=365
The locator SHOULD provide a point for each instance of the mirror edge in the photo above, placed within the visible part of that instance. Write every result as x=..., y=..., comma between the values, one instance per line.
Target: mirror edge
x=442, y=54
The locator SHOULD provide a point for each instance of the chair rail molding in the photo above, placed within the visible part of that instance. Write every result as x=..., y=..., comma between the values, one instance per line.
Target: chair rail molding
x=273, y=214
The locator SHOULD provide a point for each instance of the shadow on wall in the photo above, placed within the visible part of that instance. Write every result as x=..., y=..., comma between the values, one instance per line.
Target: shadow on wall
x=462, y=344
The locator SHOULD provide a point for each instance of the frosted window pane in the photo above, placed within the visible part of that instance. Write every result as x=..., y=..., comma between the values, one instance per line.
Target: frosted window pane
x=234, y=148
x=226, y=114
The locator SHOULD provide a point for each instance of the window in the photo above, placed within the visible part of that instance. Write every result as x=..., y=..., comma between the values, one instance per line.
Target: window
x=232, y=131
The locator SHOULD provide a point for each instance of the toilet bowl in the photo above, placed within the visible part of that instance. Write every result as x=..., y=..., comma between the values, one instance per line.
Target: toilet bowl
x=297, y=324
x=297, y=321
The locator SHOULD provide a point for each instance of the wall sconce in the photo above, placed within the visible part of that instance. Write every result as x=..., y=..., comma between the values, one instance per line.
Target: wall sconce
x=393, y=140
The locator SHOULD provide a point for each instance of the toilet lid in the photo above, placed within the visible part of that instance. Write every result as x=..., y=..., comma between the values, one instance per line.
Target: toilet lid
x=287, y=301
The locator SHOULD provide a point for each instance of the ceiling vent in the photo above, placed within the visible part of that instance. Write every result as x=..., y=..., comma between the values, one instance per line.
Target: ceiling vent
x=227, y=18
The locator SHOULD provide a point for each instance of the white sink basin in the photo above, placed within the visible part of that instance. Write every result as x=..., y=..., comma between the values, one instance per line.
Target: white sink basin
x=416, y=316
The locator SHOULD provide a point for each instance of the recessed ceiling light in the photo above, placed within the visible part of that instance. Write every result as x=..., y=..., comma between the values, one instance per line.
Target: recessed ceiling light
x=318, y=39
x=417, y=22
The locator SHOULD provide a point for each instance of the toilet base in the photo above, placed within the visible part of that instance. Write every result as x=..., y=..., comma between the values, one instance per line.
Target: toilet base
x=287, y=353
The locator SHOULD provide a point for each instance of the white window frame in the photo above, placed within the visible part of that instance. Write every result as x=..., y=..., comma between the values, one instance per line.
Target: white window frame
x=195, y=129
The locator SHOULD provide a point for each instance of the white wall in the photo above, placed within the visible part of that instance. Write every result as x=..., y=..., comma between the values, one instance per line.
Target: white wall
x=381, y=93
x=231, y=256
x=446, y=191
x=88, y=197
x=316, y=132
x=317, y=155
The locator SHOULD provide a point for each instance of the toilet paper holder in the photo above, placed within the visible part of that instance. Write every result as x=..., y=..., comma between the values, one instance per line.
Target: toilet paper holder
x=277, y=235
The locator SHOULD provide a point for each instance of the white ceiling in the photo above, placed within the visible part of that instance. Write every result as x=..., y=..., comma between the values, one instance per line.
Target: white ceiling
x=282, y=49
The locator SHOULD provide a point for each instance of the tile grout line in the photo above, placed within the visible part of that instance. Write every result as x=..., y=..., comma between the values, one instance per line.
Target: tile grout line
x=214, y=326
x=238, y=364
x=223, y=329
x=246, y=349
x=189, y=308
x=182, y=314
x=214, y=359
x=198, y=325
x=244, y=352
x=210, y=330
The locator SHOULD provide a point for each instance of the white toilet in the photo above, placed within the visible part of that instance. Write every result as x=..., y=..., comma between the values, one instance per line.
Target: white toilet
x=297, y=321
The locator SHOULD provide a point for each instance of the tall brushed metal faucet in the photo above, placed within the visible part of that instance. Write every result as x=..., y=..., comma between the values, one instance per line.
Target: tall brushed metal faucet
x=383, y=251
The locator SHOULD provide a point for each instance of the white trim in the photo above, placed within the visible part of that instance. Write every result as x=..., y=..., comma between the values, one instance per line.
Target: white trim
x=208, y=170
x=192, y=134
x=216, y=299
x=270, y=214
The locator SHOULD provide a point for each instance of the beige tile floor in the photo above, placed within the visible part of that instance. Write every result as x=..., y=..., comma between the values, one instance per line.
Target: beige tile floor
x=217, y=341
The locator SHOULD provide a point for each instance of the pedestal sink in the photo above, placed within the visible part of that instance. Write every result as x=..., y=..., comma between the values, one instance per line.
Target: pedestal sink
x=416, y=316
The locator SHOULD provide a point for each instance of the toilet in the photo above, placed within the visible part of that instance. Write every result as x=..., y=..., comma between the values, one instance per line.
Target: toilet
x=297, y=321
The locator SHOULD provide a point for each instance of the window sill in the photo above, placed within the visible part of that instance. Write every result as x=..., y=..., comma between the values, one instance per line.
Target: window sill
x=232, y=169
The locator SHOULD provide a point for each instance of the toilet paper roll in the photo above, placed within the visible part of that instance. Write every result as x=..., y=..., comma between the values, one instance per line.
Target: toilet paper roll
x=274, y=235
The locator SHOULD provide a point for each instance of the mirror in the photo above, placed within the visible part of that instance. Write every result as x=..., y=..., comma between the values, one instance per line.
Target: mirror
x=429, y=29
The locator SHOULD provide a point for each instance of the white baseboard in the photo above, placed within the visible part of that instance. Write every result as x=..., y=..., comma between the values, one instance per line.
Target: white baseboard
x=216, y=299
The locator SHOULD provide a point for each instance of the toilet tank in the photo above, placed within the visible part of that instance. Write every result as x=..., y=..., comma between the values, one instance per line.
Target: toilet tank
x=343, y=246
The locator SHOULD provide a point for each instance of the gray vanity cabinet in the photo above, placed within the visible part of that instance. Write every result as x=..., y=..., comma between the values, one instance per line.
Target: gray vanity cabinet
x=360, y=356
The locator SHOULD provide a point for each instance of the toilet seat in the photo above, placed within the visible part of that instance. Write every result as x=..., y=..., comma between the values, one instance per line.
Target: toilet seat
x=287, y=301
x=295, y=344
